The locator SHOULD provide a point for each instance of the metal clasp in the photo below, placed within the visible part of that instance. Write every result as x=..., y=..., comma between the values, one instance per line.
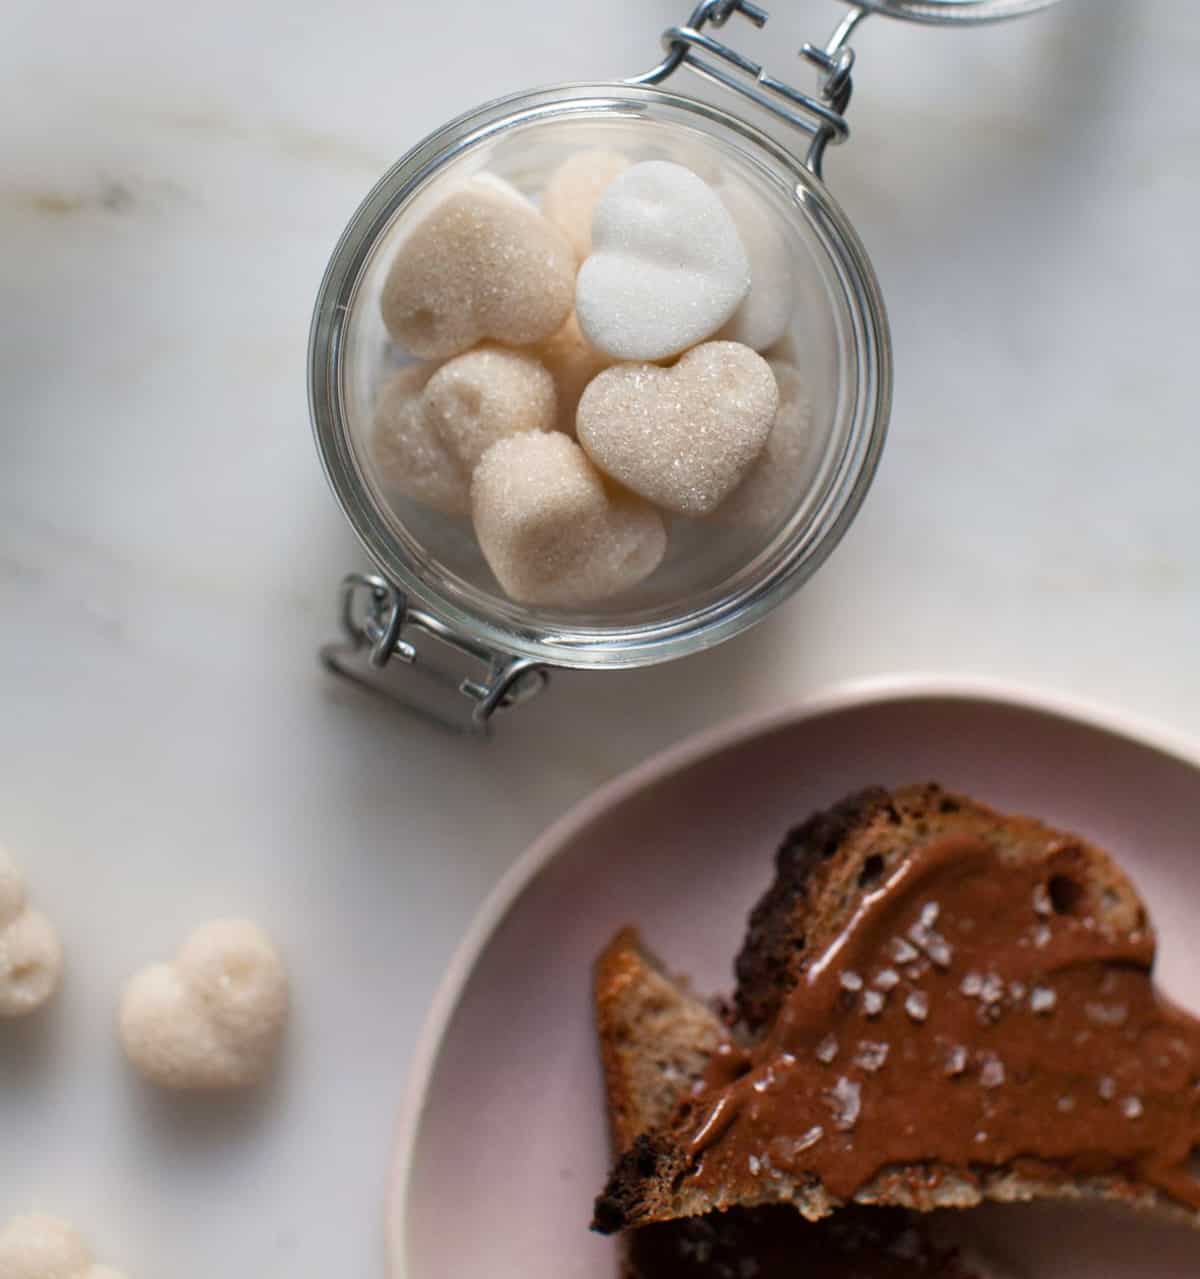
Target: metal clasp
x=375, y=617
x=823, y=118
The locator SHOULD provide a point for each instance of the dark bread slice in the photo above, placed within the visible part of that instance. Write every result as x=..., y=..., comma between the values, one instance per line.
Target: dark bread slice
x=655, y=1040
x=823, y=871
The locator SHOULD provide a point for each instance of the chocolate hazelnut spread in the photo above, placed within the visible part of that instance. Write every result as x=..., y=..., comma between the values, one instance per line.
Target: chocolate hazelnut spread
x=969, y=1016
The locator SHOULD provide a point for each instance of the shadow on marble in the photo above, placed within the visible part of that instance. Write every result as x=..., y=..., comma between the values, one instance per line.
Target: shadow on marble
x=187, y=1124
x=29, y=1044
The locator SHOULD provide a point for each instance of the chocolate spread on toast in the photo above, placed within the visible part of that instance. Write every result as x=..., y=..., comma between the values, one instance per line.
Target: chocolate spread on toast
x=968, y=1015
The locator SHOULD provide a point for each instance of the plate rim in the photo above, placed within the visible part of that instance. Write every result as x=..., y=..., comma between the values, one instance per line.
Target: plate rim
x=846, y=695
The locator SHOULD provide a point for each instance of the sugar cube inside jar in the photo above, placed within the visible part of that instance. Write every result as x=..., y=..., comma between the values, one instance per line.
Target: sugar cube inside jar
x=678, y=315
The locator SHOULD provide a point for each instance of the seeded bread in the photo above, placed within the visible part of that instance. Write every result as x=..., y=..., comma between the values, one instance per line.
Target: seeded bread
x=823, y=871
x=655, y=1038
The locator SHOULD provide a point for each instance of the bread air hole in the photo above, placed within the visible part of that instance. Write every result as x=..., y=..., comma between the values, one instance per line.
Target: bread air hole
x=1066, y=894
x=872, y=868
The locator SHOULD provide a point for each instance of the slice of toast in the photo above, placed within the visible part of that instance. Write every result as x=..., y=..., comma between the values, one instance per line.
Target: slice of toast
x=947, y=1005
x=655, y=1038
x=655, y=1041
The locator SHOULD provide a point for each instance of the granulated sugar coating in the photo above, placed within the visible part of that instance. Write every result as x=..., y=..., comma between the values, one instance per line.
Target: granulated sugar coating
x=211, y=1019
x=763, y=318
x=667, y=268
x=683, y=437
x=572, y=190
x=573, y=361
x=551, y=530
x=38, y=1246
x=31, y=958
x=484, y=395
x=479, y=265
x=775, y=483
x=410, y=456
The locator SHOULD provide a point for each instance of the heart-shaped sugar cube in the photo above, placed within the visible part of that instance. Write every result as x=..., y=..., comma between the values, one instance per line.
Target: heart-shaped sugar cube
x=410, y=457
x=776, y=481
x=432, y=425
x=573, y=190
x=479, y=264
x=485, y=395
x=170, y=1037
x=550, y=529
x=683, y=437
x=572, y=361
x=667, y=268
x=214, y=1017
x=762, y=319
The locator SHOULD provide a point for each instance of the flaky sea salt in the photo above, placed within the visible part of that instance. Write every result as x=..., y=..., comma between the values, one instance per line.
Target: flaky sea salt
x=1131, y=1108
x=1042, y=999
x=939, y=950
x=873, y=1002
x=916, y=1004
x=851, y=981
x=886, y=979
x=992, y=990
x=827, y=1049
x=871, y=1054
x=991, y=1073
x=956, y=1060
x=1106, y=1014
x=810, y=1138
x=845, y=1100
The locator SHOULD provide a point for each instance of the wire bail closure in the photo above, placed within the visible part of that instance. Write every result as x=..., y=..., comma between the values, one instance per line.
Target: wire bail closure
x=822, y=118
x=375, y=616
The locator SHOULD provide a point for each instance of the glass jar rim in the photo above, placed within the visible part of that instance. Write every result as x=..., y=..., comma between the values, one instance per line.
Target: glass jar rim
x=951, y=13
x=585, y=646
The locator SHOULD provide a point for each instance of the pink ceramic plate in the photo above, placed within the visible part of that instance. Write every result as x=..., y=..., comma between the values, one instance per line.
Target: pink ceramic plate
x=502, y=1142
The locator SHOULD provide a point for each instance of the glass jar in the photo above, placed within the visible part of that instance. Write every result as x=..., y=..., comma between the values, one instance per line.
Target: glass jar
x=432, y=582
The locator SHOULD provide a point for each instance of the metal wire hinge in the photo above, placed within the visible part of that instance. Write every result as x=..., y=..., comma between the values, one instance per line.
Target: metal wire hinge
x=375, y=617
x=821, y=117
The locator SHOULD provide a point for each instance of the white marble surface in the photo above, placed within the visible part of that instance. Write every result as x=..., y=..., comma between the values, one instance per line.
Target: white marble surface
x=173, y=180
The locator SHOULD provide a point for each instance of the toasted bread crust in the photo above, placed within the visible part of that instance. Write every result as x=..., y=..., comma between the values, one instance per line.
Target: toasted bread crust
x=655, y=1038
x=766, y=971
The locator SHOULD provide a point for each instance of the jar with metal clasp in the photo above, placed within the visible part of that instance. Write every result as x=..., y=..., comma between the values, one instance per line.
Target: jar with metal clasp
x=431, y=625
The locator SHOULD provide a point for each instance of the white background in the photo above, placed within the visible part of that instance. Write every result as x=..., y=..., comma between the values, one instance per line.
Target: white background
x=173, y=179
